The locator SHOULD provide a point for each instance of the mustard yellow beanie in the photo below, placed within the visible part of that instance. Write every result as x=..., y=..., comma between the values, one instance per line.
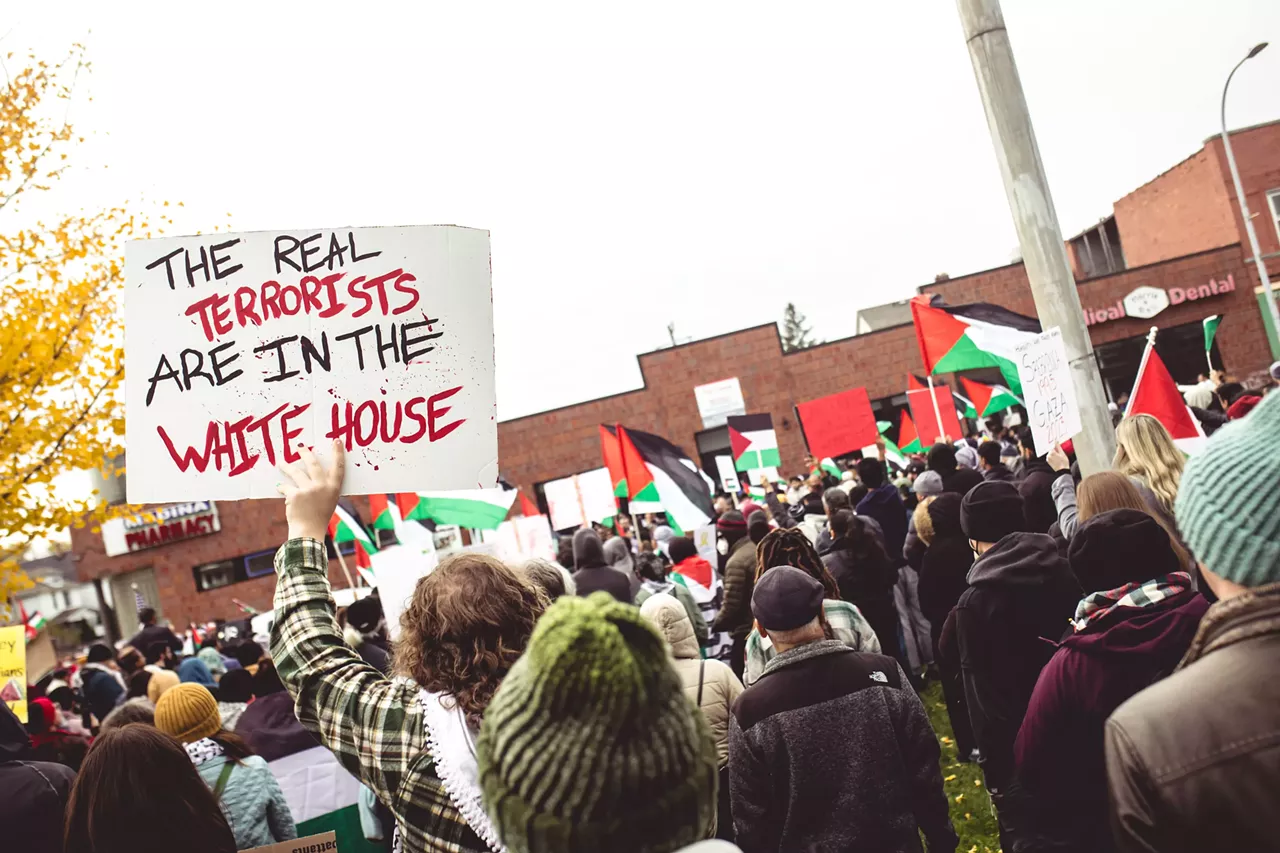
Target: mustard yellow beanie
x=188, y=712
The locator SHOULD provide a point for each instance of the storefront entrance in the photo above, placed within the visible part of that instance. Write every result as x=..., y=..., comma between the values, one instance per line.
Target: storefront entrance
x=1181, y=348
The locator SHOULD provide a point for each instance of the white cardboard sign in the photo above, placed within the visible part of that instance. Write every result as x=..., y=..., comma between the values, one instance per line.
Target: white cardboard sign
x=1047, y=388
x=718, y=400
x=239, y=348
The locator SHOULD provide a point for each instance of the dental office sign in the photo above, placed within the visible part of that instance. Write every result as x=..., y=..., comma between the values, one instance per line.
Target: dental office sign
x=1146, y=302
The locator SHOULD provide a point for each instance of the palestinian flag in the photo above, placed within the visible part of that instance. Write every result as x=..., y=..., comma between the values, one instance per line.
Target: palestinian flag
x=32, y=624
x=673, y=480
x=989, y=399
x=965, y=337
x=892, y=453
x=1210, y=330
x=1156, y=394
x=754, y=443
x=389, y=510
x=527, y=507
x=756, y=493
x=344, y=527
x=631, y=479
x=480, y=509
x=908, y=438
x=828, y=465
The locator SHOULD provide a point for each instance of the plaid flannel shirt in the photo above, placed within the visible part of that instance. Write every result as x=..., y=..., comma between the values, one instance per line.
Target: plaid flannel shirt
x=374, y=725
x=847, y=623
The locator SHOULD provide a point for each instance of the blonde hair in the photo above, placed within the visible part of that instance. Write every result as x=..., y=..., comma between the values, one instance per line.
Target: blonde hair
x=924, y=522
x=1145, y=450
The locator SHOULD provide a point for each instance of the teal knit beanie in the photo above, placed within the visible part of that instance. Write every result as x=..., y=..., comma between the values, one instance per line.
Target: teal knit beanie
x=590, y=744
x=1228, y=508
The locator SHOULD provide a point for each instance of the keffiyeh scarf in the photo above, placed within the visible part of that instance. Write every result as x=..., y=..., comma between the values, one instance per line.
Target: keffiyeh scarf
x=1097, y=604
x=203, y=750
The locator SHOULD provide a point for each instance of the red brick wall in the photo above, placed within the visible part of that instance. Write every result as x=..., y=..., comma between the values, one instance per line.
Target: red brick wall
x=1257, y=153
x=247, y=527
x=564, y=441
x=1183, y=211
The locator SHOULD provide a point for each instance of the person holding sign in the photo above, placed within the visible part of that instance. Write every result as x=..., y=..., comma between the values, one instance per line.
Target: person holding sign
x=411, y=740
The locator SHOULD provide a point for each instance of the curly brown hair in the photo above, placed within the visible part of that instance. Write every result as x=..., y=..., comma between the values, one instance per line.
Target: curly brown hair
x=466, y=624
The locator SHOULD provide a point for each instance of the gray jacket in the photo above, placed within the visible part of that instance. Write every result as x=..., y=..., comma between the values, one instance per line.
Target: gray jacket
x=252, y=801
x=832, y=750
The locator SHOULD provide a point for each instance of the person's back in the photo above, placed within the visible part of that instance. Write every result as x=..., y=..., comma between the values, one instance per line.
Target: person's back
x=153, y=633
x=593, y=573
x=1020, y=597
x=33, y=794
x=884, y=504
x=942, y=459
x=1193, y=761
x=709, y=684
x=1129, y=631
x=864, y=575
x=831, y=749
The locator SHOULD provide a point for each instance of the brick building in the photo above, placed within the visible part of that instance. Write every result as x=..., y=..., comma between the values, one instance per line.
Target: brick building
x=1179, y=234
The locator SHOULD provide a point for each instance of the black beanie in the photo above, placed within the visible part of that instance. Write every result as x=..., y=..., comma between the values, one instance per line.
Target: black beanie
x=364, y=614
x=758, y=526
x=1119, y=547
x=991, y=511
x=942, y=458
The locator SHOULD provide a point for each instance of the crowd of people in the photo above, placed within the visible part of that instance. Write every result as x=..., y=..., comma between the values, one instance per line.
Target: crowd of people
x=1103, y=645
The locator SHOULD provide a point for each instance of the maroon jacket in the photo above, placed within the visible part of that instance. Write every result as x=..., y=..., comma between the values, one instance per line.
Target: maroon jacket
x=1059, y=754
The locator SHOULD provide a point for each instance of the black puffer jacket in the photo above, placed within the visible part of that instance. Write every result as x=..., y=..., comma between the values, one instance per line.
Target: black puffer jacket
x=33, y=794
x=1021, y=594
x=866, y=579
x=944, y=571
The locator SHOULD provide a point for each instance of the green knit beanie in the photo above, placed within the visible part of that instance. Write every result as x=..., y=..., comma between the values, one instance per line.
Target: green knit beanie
x=590, y=744
x=1228, y=507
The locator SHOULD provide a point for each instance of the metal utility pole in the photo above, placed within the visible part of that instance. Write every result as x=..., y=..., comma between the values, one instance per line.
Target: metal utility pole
x=1244, y=204
x=1043, y=252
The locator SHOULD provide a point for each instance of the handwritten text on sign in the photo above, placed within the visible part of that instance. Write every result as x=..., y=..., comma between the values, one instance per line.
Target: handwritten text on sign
x=1046, y=383
x=241, y=348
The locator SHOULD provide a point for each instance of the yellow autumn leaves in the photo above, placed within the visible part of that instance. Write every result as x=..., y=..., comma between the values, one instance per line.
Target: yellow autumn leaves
x=60, y=323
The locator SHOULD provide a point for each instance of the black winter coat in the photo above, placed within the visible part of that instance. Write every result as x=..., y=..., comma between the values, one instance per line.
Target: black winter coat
x=1021, y=594
x=960, y=481
x=866, y=581
x=944, y=574
x=271, y=728
x=884, y=505
x=101, y=692
x=1036, y=488
x=33, y=794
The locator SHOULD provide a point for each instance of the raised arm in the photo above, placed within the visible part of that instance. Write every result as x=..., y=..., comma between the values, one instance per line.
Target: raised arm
x=370, y=723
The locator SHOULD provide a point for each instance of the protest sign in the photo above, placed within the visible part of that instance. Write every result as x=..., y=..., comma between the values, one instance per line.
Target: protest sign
x=728, y=476
x=718, y=400
x=240, y=348
x=397, y=569
x=325, y=842
x=838, y=424
x=1050, y=396
x=522, y=538
x=13, y=670
x=581, y=499
x=925, y=409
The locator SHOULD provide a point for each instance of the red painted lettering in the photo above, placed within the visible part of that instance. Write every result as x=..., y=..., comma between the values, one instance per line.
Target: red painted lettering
x=287, y=291
x=411, y=292
x=359, y=294
x=244, y=307
x=417, y=418
x=330, y=283
x=270, y=299
x=311, y=287
x=372, y=408
x=433, y=414
x=192, y=457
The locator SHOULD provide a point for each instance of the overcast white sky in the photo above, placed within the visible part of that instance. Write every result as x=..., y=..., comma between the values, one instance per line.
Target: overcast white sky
x=697, y=162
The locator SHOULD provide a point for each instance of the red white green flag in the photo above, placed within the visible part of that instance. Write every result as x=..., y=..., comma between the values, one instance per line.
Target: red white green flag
x=1156, y=394
x=908, y=438
x=388, y=510
x=967, y=337
x=480, y=509
x=988, y=399
x=343, y=527
x=631, y=478
x=754, y=443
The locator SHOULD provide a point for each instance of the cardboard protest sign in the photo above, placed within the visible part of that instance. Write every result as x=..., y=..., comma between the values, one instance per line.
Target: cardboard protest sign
x=728, y=476
x=838, y=424
x=325, y=842
x=718, y=400
x=580, y=499
x=397, y=569
x=239, y=348
x=1052, y=412
x=13, y=670
x=926, y=415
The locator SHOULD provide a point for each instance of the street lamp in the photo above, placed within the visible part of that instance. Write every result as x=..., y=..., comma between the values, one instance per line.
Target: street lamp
x=1244, y=204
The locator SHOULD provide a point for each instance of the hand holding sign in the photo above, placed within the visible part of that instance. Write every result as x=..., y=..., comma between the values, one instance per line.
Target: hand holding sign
x=311, y=493
x=1050, y=394
x=240, y=348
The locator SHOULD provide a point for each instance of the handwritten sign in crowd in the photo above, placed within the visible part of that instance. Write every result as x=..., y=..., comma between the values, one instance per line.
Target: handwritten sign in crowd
x=1045, y=373
x=241, y=348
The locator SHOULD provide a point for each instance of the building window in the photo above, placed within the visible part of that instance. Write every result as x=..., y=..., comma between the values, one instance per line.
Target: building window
x=214, y=575
x=1273, y=198
x=259, y=564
